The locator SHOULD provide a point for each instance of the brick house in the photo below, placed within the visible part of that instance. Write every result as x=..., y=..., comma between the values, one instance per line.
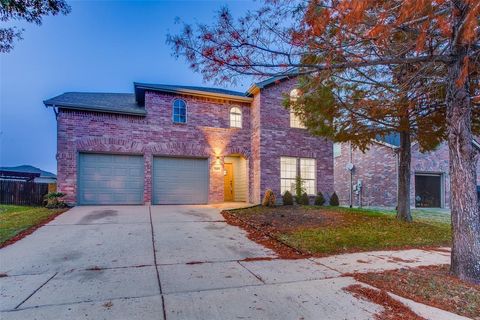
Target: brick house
x=373, y=179
x=169, y=144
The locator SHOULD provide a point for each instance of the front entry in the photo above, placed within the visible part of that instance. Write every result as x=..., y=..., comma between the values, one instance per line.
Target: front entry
x=228, y=181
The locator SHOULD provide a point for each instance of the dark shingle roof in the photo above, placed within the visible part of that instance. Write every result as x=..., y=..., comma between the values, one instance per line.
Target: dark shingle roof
x=122, y=103
x=192, y=90
x=29, y=169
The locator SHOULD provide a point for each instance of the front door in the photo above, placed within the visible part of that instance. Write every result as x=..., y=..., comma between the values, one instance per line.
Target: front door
x=228, y=181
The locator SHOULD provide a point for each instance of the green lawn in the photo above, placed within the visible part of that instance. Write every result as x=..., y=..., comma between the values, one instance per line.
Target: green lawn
x=16, y=219
x=330, y=230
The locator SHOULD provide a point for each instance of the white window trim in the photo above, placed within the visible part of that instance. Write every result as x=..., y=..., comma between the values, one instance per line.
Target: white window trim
x=298, y=169
x=173, y=111
x=295, y=121
x=240, y=113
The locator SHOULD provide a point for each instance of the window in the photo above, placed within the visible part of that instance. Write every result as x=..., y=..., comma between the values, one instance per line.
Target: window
x=288, y=172
x=308, y=174
x=235, y=117
x=295, y=122
x=337, y=150
x=289, y=169
x=179, y=111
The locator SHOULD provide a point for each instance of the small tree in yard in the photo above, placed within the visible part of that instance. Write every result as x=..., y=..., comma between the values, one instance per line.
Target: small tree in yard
x=299, y=188
x=334, y=200
x=287, y=198
x=324, y=39
x=319, y=199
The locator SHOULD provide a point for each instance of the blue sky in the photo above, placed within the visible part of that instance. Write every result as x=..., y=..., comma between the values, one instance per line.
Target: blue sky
x=101, y=46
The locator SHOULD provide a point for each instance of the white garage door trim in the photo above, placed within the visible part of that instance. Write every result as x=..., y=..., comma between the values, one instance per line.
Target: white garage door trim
x=180, y=180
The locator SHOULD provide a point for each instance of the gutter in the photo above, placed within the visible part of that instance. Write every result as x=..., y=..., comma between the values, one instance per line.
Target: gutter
x=91, y=109
x=196, y=93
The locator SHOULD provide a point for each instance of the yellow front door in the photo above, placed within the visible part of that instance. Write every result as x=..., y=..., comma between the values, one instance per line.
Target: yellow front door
x=228, y=181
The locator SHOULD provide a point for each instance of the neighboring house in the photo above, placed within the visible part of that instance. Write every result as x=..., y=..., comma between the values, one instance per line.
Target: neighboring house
x=372, y=180
x=169, y=144
x=26, y=172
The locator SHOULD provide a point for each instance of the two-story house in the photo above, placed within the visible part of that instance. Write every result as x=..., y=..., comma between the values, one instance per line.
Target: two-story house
x=167, y=144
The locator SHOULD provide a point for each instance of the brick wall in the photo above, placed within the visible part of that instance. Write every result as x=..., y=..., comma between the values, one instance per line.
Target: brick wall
x=277, y=139
x=377, y=168
x=206, y=134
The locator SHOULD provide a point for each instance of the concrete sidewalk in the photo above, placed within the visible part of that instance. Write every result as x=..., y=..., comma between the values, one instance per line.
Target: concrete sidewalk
x=179, y=262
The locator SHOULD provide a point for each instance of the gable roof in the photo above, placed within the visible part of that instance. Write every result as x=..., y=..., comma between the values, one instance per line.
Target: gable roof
x=29, y=169
x=267, y=82
x=120, y=103
x=140, y=89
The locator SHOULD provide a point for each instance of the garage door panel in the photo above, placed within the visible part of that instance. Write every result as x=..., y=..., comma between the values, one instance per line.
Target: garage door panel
x=110, y=179
x=180, y=181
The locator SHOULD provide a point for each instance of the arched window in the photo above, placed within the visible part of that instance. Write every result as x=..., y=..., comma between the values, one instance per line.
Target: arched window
x=295, y=122
x=235, y=117
x=179, y=114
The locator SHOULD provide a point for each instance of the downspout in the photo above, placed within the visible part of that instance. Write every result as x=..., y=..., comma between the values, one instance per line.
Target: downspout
x=351, y=176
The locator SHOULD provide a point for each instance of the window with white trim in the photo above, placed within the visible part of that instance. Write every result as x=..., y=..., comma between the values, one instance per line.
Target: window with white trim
x=288, y=172
x=179, y=114
x=308, y=174
x=235, y=117
x=295, y=121
x=289, y=169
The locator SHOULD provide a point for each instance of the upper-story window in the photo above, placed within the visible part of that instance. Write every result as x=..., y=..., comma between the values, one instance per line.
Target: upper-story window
x=235, y=117
x=179, y=111
x=295, y=121
x=337, y=149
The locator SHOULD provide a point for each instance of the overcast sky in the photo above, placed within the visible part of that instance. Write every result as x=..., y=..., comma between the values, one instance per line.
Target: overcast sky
x=101, y=46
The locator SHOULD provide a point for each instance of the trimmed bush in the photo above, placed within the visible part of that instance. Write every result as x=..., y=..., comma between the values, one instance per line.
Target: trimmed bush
x=304, y=199
x=319, y=199
x=269, y=199
x=54, y=200
x=287, y=198
x=334, y=200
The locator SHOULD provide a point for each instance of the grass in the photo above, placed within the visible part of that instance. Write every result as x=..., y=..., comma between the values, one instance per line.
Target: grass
x=420, y=214
x=331, y=230
x=17, y=219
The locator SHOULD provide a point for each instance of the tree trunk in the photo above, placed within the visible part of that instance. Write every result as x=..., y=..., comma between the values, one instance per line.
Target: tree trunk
x=465, y=261
x=403, y=191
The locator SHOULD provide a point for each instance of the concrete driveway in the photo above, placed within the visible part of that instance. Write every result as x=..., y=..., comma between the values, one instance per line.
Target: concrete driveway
x=163, y=262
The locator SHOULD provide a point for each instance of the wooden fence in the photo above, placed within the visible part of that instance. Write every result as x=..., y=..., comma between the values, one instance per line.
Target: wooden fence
x=22, y=193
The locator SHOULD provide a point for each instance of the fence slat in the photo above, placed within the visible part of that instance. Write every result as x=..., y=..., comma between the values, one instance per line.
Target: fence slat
x=22, y=193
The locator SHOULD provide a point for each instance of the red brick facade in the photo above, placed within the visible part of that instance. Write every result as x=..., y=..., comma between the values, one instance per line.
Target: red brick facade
x=377, y=168
x=264, y=137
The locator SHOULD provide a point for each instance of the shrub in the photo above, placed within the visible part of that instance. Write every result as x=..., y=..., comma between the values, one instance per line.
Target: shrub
x=334, y=200
x=269, y=199
x=54, y=200
x=287, y=198
x=304, y=199
x=319, y=199
x=299, y=189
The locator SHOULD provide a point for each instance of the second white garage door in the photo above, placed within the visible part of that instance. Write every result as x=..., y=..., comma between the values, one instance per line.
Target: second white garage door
x=180, y=181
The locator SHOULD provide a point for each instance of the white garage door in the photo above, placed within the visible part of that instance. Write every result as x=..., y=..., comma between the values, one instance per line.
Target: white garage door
x=110, y=179
x=180, y=181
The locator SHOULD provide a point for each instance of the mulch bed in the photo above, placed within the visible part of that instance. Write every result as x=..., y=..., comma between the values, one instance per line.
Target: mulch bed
x=433, y=285
x=32, y=229
x=263, y=237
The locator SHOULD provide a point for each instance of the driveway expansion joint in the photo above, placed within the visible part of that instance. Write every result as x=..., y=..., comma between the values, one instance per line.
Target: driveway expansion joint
x=155, y=263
